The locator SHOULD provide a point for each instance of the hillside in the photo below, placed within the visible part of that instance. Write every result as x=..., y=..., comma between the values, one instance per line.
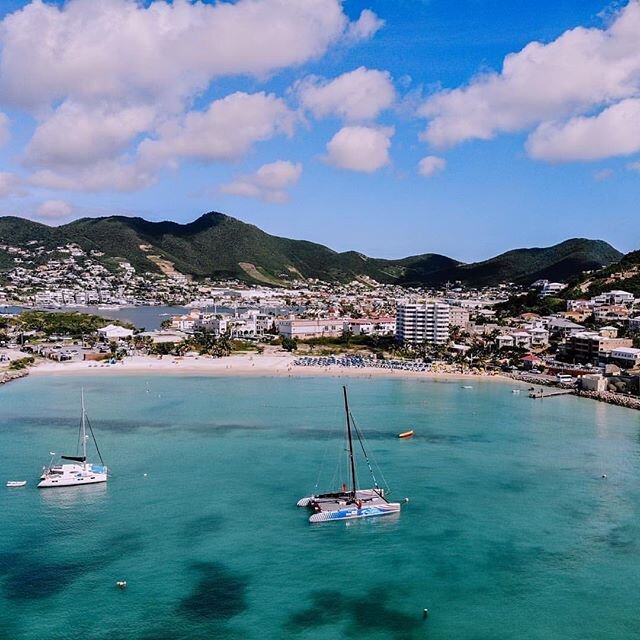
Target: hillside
x=523, y=266
x=623, y=274
x=221, y=247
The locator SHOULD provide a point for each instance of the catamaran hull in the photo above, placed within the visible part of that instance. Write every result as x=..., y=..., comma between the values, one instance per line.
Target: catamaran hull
x=352, y=513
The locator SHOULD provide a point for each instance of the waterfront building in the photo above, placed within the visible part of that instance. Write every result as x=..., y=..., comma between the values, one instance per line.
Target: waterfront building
x=625, y=357
x=591, y=347
x=298, y=329
x=423, y=322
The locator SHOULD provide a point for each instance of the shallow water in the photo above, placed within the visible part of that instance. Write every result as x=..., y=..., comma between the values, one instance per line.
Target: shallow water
x=510, y=531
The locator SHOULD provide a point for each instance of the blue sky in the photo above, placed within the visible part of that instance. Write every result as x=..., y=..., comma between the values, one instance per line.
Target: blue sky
x=251, y=108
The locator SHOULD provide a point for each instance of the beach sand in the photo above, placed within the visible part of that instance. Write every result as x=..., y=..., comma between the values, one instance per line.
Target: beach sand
x=237, y=365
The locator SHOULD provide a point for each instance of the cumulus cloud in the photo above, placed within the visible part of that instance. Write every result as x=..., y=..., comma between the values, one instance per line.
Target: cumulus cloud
x=92, y=49
x=614, y=131
x=10, y=185
x=360, y=148
x=226, y=130
x=101, y=75
x=4, y=129
x=357, y=95
x=267, y=183
x=365, y=26
x=54, y=210
x=431, y=165
x=100, y=176
x=551, y=86
x=77, y=134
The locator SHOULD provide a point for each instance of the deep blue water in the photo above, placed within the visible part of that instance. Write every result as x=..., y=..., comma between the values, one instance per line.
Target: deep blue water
x=510, y=532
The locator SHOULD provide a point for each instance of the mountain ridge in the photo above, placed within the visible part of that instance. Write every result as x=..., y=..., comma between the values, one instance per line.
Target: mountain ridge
x=219, y=246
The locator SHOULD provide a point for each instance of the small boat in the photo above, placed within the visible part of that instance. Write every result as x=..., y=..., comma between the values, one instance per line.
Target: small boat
x=350, y=502
x=467, y=386
x=79, y=472
x=406, y=434
x=515, y=390
x=16, y=483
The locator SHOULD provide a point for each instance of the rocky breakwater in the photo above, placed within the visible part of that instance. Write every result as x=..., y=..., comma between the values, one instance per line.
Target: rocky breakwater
x=619, y=399
x=9, y=375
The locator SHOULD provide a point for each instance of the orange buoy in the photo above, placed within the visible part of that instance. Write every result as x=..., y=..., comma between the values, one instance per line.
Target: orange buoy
x=406, y=434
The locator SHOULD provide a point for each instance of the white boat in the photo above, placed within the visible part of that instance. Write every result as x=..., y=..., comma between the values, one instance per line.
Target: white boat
x=350, y=502
x=16, y=483
x=78, y=471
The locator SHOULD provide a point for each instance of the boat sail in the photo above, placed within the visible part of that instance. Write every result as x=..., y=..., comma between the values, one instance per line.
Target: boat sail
x=350, y=502
x=79, y=472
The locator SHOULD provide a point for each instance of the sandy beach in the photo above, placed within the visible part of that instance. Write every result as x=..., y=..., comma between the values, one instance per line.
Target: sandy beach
x=236, y=365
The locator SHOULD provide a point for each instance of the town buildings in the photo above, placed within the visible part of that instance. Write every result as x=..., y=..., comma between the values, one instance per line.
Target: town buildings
x=423, y=322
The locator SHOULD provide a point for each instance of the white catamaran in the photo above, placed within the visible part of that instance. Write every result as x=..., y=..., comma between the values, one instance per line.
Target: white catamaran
x=350, y=502
x=79, y=472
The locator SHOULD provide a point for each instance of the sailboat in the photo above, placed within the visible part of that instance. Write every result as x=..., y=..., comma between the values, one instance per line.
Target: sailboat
x=350, y=502
x=79, y=471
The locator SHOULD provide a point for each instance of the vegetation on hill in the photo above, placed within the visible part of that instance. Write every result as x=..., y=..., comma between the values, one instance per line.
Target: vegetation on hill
x=623, y=274
x=220, y=247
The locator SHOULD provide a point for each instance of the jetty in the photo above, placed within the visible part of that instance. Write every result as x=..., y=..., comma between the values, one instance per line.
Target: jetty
x=540, y=395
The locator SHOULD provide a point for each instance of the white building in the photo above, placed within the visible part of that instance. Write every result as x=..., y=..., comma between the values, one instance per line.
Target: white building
x=613, y=297
x=418, y=323
x=626, y=357
x=303, y=329
x=371, y=326
x=114, y=332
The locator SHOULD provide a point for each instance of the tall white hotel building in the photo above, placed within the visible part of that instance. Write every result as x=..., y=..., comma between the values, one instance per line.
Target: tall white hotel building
x=421, y=322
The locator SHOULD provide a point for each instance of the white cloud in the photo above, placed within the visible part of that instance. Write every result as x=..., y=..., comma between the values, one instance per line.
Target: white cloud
x=431, y=165
x=106, y=49
x=602, y=175
x=100, y=176
x=365, y=26
x=267, y=183
x=357, y=95
x=99, y=75
x=360, y=148
x=613, y=132
x=77, y=134
x=54, y=210
x=4, y=129
x=10, y=185
x=579, y=72
x=634, y=166
x=226, y=130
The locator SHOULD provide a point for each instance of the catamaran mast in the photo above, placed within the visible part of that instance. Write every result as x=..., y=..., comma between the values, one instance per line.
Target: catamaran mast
x=351, y=457
x=83, y=433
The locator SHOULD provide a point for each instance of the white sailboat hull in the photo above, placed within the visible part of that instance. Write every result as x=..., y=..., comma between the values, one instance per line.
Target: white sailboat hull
x=72, y=475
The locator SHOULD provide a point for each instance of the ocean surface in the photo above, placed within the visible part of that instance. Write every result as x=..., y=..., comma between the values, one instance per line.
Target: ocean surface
x=511, y=531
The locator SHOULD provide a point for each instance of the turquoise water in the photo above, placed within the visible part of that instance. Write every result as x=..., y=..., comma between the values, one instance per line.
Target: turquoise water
x=511, y=532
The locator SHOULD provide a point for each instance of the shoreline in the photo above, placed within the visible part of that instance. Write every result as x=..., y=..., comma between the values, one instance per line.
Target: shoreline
x=242, y=366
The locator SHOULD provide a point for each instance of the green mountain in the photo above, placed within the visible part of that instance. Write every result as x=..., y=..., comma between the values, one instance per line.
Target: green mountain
x=220, y=247
x=523, y=266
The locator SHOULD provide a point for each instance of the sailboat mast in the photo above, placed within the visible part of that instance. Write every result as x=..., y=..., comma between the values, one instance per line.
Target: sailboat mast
x=351, y=457
x=84, y=433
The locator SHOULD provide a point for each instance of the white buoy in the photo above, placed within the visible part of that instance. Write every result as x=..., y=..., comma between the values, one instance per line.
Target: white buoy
x=425, y=613
x=604, y=475
x=145, y=475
